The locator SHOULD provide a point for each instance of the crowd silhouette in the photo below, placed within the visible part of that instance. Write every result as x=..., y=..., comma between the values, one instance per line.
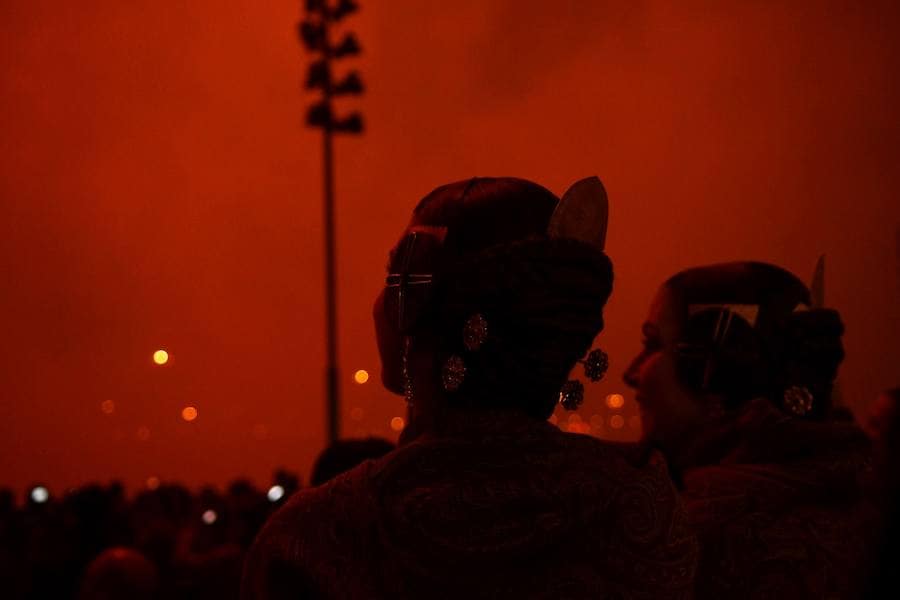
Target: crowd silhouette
x=167, y=541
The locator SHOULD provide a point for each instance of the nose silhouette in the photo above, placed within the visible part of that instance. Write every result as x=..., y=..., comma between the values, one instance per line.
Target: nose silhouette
x=630, y=377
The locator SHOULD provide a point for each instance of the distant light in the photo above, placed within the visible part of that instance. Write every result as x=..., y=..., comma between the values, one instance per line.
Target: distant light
x=361, y=376
x=160, y=357
x=209, y=516
x=143, y=433
x=40, y=494
x=189, y=413
x=108, y=407
x=579, y=427
x=356, y=413
x=617, y=422
x=615, y=401
x=276, y=493
x=152, y=483
x=397, y=423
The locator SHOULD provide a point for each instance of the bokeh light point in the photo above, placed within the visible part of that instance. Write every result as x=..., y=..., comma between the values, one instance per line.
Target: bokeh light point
x=108, y=407
x=160, y=357
x=40, y=494
x=398, y=423
x=361, y=376
x=189, y=413
x=275, y=493
x=617, y=422
x=615, y=401
x=209, y=516
x=152, y=482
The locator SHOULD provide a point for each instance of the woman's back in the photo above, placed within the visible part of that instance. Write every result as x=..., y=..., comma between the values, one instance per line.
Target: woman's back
x=493, y=294
x=495, y=505
x=784, y=512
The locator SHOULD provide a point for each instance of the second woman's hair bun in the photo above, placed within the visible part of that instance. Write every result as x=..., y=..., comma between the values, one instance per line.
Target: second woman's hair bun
x=812, y=352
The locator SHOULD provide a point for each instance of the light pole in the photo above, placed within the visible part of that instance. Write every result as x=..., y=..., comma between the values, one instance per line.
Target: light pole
x=314, y=32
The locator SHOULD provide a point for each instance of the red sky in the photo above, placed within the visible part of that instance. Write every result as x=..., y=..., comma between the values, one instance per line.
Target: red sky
x=158, y=190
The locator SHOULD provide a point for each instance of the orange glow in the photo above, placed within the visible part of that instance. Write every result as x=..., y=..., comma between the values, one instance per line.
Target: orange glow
x=397, y=423
x=579, y=427
x=615, y=401
x=189, y=413
x=553, y=419
x=361, y=376
x=143, y=433
x=152, y=482
x=156, y=245
x=160, y=357
x=260, y=431
x=108, y=407
x=616, y=422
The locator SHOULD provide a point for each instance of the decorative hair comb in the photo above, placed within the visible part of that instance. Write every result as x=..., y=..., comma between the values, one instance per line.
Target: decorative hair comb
x=582, y=214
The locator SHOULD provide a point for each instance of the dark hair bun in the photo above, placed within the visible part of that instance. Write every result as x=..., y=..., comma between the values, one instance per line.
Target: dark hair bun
x=812, y=353
x=543, y=301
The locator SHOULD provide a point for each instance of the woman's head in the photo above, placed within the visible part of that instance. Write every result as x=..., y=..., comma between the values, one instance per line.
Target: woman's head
x=482, y=247
x=719, y=335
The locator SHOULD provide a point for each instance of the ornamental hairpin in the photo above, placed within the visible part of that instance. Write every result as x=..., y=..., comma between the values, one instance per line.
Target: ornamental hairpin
x=571, y=396
x=474, y=335
x=595, y=364
x=475, y=332
x=798, y=400
x=453, y=373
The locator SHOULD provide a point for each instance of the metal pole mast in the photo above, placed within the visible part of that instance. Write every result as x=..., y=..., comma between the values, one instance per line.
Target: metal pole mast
x=314, y=34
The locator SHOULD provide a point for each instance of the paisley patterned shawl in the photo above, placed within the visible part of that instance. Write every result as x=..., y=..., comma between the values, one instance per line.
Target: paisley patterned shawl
x=496, y=505
x=782, y=514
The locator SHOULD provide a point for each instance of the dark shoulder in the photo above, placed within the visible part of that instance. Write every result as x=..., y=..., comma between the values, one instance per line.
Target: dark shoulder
x=302, y=538
x=633, y=459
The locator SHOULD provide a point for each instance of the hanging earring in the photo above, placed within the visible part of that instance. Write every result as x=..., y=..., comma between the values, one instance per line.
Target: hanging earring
x=453, y=373
x=595, y=365
x=404, y=371
x=798, y=400
x=572, y=394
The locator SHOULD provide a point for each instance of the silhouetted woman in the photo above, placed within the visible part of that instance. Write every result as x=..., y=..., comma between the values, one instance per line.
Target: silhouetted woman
x=494, y=292
x=734, y=385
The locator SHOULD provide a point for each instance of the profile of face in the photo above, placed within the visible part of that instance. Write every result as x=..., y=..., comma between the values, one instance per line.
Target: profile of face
x=390, y=347
x=669, y=410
